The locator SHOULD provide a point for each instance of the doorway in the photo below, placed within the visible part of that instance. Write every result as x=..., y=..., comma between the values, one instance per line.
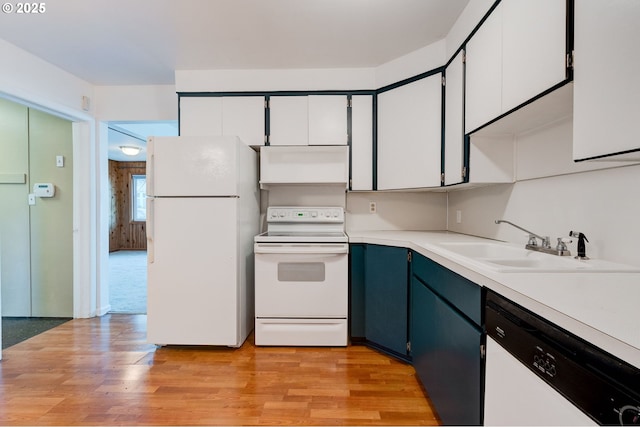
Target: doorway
x=127, y=228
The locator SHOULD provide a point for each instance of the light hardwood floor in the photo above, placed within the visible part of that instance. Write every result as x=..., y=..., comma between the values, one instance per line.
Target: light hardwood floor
x=100, y=371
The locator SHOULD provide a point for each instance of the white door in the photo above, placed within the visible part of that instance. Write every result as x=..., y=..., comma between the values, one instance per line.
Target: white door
x=483, y=100
x=200, y=116
x=243, y=116
x=288, y=120
x=454, y=121
x=327, y=120
x=533, y=48
x=410, y=135
x=192, y=271
x=516, y=396
x=192, y=166
x=301, y=281
x=362, y=142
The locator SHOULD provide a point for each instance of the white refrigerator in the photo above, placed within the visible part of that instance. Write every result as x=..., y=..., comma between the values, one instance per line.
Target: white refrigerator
x=203, y=208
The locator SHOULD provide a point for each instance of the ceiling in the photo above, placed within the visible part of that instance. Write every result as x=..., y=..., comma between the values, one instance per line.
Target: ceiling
x=142, y=42
x=134, y=134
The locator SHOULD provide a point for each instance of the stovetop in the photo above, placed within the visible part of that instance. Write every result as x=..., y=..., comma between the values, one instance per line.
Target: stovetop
x=304, y=225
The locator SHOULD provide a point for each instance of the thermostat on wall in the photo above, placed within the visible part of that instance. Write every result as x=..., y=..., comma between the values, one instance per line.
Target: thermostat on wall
x=45, y=189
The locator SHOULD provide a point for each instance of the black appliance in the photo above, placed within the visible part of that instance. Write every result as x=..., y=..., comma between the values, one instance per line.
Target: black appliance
x=604, y=387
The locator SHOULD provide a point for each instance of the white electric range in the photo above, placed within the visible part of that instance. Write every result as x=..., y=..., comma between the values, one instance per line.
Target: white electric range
x=301, y=278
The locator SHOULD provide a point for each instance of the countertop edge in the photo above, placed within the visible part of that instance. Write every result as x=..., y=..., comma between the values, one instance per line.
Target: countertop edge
x=423, y=242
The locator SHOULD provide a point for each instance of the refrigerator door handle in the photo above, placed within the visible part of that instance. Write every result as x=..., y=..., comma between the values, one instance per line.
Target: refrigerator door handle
x=150, y=169
x=150, y=230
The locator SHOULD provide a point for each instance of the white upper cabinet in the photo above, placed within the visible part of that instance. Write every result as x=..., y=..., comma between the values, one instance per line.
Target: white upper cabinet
x=483, y=100
x=606, y=86
x=200, y=116
x=362, y=142
x=516, y=54
x=328, y=120
x=241, y=116
x=453, y=121
x=308, y=120
x=410, y=135
x=533, y=48
x=288, y=120
x=244, y=116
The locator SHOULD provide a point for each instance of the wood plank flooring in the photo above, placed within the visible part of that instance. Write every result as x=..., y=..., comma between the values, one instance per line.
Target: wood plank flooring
x=100, y=371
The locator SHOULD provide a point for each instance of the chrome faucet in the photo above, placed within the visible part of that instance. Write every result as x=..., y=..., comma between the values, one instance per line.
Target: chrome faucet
x=545, y=246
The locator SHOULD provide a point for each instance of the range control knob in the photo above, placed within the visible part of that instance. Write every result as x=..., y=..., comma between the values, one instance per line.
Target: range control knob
x=629, y=415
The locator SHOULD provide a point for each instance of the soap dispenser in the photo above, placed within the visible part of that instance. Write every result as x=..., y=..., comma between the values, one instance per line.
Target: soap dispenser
x=582, y=251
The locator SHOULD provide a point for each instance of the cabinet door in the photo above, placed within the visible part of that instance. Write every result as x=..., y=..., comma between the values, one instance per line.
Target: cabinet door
x=483, y=86
x=386, y=288
x=533, y=48
x=243, y=116
x=410, y=135
x=288, y=120
x=454, y=121
x=356, y=291
x=445, y=350
x=362, y=142
x=327, y=119
x=200, y=116
x=606, y=85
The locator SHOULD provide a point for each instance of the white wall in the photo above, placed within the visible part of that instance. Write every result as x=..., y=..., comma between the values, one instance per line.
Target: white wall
x=25, y=77
x=553, y=195
x=136, y=103
x=466, y=22
x=396, y=211
x=273, y=80
x=412, y=64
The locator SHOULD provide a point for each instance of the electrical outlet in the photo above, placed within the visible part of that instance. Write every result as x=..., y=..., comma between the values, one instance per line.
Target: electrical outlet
x=372, y=207
x=458, y=217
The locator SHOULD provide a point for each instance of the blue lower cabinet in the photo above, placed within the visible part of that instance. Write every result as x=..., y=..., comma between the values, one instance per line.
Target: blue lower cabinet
x=445, y=349
x=386, y=298
x=356, y=291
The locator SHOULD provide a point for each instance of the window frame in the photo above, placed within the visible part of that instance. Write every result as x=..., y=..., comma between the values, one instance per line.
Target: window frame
x=133, y=199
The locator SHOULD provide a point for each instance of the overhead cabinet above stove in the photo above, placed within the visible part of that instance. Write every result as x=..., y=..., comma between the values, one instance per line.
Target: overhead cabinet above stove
x=304, y=165
x=308, y=120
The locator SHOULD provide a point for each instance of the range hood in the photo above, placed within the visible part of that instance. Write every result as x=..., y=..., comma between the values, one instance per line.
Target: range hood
x=304, y=165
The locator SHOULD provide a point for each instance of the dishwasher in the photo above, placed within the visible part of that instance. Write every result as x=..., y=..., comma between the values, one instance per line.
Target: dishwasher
x=537, y=373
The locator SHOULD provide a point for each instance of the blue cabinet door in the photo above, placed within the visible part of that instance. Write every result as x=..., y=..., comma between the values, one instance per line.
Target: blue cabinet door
x=386, y=297
x=356, y=291
x=445, y=349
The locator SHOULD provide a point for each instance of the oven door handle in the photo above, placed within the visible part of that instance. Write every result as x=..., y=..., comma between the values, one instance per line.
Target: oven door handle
x=301, y=248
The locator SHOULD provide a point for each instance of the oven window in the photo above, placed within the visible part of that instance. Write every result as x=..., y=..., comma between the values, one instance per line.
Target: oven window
x=301, y=272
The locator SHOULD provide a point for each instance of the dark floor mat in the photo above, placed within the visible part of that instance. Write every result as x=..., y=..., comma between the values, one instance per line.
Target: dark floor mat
x=18, y=329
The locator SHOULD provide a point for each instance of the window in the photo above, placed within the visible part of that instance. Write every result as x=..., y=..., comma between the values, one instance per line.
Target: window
x=138, y=197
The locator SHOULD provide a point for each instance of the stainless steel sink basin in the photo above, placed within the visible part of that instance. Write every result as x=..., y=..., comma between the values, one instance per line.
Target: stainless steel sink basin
x=506, y=258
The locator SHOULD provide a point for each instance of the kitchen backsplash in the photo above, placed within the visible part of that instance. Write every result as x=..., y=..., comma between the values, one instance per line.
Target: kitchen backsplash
x=603, y=204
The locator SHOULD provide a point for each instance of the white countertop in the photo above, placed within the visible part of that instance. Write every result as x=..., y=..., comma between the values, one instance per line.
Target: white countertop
x=601, y=307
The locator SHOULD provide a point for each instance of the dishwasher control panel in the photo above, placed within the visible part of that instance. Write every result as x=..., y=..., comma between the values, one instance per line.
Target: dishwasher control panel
x=544, y=362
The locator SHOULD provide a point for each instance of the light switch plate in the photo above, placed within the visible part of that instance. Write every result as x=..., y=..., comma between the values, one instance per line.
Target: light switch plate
x=60, y=161
x=32, y=199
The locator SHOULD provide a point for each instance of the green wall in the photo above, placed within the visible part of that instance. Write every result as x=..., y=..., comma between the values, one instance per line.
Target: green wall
x=37, y=240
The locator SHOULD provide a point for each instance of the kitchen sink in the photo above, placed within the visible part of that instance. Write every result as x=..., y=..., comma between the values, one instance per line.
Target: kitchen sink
x=507, y=258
